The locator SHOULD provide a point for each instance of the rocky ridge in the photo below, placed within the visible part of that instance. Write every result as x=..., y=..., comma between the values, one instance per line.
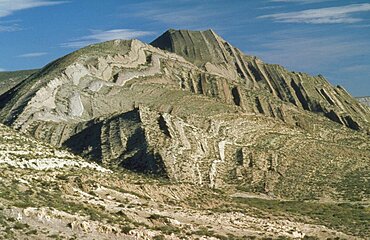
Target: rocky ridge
x=251, y=77
x=212, y=117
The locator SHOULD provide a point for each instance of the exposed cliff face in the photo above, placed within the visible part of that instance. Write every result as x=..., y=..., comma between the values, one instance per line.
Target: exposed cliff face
x=213, y=117
x=20, y=151
x=47, y=192
x=210, y=52
x=247, y=150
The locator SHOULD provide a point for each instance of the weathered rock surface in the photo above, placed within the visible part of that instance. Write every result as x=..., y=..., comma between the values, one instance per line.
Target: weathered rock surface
x=47, y=193
x=212, y=117
x=19, y=151
x=204, y=116
x=249, y=74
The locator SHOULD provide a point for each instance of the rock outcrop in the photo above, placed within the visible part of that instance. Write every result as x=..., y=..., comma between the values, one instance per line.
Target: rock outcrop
x=204, y=113
x=23, y=152
x=249, y=74
x=48, y=193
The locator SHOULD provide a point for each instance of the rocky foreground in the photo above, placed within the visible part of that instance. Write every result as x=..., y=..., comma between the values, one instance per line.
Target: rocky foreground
x=46, y=193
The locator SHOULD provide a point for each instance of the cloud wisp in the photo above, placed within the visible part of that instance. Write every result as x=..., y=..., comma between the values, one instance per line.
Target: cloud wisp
x=97, y=36
x=342, y=14
x=32, y=55
x=8, y=7
x=10, y=28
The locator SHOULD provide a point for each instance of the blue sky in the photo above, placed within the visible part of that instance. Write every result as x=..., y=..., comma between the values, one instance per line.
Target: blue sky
x=329, y=37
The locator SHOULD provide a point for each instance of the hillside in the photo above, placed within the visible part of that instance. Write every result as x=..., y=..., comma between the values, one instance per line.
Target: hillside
x=253, y=80
x=219, y=118
x=48, y=193
x=9, y=80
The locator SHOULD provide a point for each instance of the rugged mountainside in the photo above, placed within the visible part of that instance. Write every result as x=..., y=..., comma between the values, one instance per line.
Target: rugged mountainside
x=10, y=79
x=211, y=117
x=213, y=54
x=48, y=193
x=364, y=100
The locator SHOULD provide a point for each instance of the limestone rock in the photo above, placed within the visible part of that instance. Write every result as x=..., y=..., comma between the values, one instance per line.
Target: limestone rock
x=47, y=192
x=205, y=114
x=210, y=52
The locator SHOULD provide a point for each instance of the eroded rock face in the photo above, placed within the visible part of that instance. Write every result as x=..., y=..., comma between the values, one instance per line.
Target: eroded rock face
x=251, y=151
x=46, y=192
x=210, y=52
x=22, y=152
x=213, y=118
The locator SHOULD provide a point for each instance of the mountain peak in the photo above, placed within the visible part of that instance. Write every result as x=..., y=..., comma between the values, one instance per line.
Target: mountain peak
x=198, y=47
x=213, y=54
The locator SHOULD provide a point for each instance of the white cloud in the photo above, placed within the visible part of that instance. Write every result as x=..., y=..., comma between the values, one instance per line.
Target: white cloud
x=11, y=28
x=341, y=14
x=33, y=55
x=8, y=7
x=102, y=36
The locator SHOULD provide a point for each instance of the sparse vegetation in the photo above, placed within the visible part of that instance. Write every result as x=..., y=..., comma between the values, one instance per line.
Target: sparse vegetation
x=352, y=218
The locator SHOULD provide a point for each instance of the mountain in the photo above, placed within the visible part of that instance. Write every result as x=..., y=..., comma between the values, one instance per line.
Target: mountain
x=254, y=79
x=49, y=193
x=218, y=145
x=193, y=109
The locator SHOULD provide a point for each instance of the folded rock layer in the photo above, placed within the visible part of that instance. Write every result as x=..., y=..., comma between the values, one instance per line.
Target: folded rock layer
x=193, y=108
